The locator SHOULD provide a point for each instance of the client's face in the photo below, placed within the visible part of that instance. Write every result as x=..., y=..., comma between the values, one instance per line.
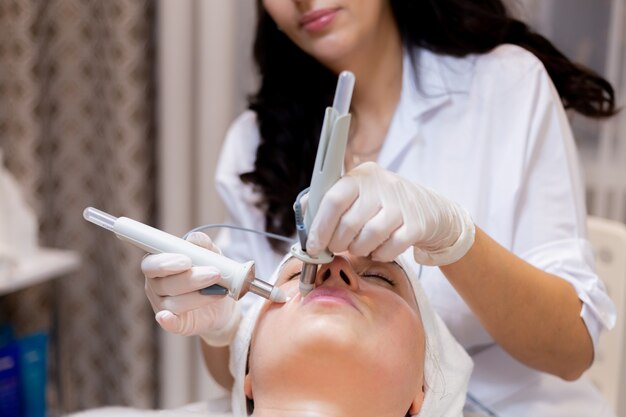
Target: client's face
x=356, y=338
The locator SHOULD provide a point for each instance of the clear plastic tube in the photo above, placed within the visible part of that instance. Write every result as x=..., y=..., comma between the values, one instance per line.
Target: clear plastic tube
x=343, y=93
x=99, y=218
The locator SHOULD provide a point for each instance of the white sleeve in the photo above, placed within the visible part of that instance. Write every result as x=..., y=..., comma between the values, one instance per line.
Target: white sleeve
x=237, y=157
x=550, y=230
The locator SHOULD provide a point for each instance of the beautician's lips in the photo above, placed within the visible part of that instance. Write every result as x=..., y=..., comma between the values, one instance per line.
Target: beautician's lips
x=332, y=294
x=316, y=20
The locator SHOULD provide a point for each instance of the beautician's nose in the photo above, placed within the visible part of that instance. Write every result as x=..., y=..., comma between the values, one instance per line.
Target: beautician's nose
x=339, y=272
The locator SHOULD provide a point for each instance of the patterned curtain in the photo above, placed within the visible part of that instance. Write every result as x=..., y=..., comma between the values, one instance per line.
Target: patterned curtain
x=77, y=129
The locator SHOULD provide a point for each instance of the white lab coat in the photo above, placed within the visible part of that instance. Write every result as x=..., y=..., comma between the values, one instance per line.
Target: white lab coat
x=489, y=132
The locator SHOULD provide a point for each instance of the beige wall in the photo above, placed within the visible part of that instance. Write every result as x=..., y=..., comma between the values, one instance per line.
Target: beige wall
x=204, y=75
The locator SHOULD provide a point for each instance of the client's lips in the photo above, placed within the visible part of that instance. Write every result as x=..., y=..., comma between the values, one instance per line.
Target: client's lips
x=331, y=295
x=318, y=19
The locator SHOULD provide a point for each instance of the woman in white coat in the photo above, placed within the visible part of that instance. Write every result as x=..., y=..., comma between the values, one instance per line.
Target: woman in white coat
x=459, y=150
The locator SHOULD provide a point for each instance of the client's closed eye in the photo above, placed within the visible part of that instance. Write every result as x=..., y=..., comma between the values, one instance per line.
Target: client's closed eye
x=367, y=275
x=292, y=276
x=379, y=277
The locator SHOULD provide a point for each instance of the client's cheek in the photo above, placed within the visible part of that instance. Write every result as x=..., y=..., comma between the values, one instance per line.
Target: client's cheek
x=274, y=322
x=292, y=293
x=291, y=289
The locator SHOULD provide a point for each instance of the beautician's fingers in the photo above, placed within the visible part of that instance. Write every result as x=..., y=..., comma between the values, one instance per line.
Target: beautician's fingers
x=174, y=324
x=152, y=297
x=376, y=231
x=191, y=280
x=350, y=224
x=397, y=243
x=203, y=240
x=180, y=304
x=334, y=204
x=164, y=264
x=171, y=322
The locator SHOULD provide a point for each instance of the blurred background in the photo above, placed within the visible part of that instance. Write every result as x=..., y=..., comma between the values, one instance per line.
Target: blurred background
x=122, y=105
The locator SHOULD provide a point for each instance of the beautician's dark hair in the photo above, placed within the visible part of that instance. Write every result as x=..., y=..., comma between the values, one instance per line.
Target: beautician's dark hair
x=295, y=88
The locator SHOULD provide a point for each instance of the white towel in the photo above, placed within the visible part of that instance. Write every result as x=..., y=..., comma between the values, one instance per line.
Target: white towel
x=446, y=371
x=18, y=224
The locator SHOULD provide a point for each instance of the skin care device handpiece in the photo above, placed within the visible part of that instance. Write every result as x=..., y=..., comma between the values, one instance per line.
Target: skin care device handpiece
x=326, y=172
x=237, y=278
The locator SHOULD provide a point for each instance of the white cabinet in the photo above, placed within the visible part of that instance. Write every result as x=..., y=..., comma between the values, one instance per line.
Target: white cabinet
x=45, y=264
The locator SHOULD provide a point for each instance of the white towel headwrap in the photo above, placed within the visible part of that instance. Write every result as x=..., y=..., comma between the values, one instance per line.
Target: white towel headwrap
x=447, y=366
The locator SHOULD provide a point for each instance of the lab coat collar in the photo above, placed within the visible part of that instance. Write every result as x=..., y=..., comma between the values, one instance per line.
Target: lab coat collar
x=425, y=87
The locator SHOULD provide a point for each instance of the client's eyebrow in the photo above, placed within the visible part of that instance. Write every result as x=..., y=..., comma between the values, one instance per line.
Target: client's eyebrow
x=393, y=263
x=283, y=266
x=291, y=258
x=367, y=261
x=397, y=265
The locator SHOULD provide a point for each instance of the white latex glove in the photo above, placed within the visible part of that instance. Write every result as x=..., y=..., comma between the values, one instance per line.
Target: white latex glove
x=373, y=212
x=172, y=286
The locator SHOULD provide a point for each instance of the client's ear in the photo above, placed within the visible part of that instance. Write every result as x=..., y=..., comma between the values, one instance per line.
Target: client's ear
x=416, y=405
x=247, y=386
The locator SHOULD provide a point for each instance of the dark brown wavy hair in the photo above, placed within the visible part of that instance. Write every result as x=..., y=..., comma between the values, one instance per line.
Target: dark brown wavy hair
x=295, y=88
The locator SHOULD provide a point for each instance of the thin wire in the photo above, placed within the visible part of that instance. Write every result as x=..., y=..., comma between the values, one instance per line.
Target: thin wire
x=230, y=226
x=300, y=226
x=480, y=405
x=297, y=207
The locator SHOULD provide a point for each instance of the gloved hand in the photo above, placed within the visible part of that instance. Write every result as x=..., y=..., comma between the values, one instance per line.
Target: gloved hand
x=371, y=211
x=172, y=286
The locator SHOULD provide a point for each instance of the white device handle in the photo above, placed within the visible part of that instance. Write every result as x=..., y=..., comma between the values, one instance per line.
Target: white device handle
x=329, y=163
x=332, y=146
x=233, y=274
x=235, y=277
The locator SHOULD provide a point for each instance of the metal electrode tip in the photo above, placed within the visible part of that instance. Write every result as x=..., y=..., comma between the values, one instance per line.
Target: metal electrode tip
x=278, y=296
x=307, y=278
x=305, y=289
x=268, y=291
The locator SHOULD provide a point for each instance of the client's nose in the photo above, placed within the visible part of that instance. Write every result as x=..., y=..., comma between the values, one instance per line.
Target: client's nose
x=338, y=272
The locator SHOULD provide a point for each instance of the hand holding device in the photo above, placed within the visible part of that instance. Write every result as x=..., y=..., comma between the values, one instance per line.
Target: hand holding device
x=372, y=211
x=172, y=286
x=327, y=170
x=185, y=311
x=235, y=277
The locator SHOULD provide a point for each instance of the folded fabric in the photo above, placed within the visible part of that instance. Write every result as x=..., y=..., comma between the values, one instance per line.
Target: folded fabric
x=18, y=223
